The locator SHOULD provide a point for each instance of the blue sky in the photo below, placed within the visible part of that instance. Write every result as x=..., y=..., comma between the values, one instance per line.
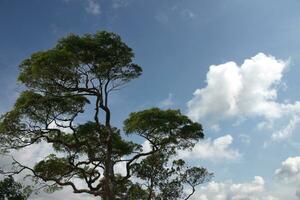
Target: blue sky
x=176, y=42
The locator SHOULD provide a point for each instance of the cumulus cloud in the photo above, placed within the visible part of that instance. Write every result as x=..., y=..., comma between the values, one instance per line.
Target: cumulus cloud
x=289, y=173
x=213, y=150
x=234, y=90
x=289, y=170
x=248, y=90
x=254, y=190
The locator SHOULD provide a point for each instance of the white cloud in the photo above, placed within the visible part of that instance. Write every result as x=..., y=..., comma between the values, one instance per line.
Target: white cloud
x=288, y=130
x=167, y=102
x=248, y=90
x=289, y=170
x=289, y=174
x=146, y=146
x=30, y=156
x=213, y=150
x=63, y=126
x=120, y=168
x=93, y=7
x=254, y=190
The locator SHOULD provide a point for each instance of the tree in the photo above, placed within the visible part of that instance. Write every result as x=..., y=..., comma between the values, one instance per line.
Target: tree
x=80, y=72
x=11, y=190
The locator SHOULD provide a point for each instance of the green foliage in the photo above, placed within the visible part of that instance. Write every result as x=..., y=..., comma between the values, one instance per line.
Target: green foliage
x=165, y=181
x=43, y=108
x=89, y=140
x=164, y=128
x=75, y=59
x=11, y=190
x=130, y=191
x=10, y=123
x=53, y=168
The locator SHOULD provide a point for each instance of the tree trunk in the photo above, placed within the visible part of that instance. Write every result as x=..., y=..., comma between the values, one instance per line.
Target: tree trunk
x=109, y=171
x=109, y=165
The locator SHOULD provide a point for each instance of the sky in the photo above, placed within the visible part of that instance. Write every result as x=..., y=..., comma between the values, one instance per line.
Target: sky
x=232, y=65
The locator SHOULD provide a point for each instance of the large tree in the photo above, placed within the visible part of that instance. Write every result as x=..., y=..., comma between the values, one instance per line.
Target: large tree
x=62, y=85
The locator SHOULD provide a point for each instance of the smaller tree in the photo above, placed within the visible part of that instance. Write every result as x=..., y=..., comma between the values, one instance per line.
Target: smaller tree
x=12, y=190
x=164, y=177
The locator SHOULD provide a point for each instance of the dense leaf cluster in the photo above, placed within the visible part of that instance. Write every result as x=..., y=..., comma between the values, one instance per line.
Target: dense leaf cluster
x=11, y=190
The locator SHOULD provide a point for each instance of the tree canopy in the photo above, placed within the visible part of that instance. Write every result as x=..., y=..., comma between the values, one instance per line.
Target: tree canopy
x=81, y=72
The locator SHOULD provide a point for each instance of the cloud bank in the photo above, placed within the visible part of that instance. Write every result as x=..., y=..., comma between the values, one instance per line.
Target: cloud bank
x=289, y=174
x=245, y=91
x=254, y=190
x=289, y=170
x=233, y=91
